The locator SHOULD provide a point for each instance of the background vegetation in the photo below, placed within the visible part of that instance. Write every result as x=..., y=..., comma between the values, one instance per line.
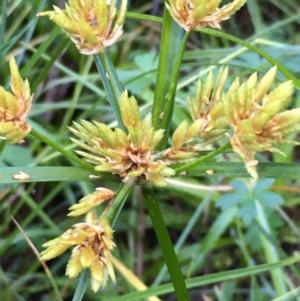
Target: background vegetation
x=207, y=238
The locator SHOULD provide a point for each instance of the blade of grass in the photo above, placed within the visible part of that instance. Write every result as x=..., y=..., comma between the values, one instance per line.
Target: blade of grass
x=112, y=74
x=264, y=54
x=216, y=230
x=119, y=201
x=270, y=251
x=84, y=279
x=111, y=93
x=166, y=245
x=47, y=271
x=267, y=170
x=187, y=230
x=54, y=57
x=207, y=157
x=42, y=49
x=45, y=174
x=62, y=150
x=3, y=7
x=31, y=30
x=169, y=104
x=294, y=293
x=169, y=49
x=255, y=14
x=208, y=279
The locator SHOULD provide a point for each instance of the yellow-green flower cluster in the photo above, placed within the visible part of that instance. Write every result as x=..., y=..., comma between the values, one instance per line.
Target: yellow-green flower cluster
x=129, y=155
x=254, y=116
x=93, y=245
x=193, y=14
x=90, y=201
x=91, y=24
x=258, y=116
x=208, y=107
x=14, y=107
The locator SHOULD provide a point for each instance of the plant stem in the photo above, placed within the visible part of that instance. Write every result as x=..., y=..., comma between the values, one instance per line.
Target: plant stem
x=270, y=251
x=166, y=245
x=112, y=75
x=118, y=203
x=3, y=19
x=62, y=150
x=111, y=88
x=169, y=45
x=169, y=105
x=82, y=285
x=2, y=145
x=203, y=159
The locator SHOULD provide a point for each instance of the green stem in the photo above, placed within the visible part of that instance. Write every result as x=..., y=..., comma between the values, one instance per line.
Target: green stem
x=169, y=45
x=2, y=145
x=62, y=150
x=112, y=75
x=267, y=56
x=187, y=230
x=203, y=159
x=82, y=285
x=270, y=251
x=169, y=105
x=166, y=245
x=110, y=87
x=3, y=19
x=117, y=205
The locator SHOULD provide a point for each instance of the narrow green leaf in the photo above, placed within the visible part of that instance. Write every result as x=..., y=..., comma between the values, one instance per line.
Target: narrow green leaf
x=84, y=279
x=166, y=245
x=216, y=230
x=169, y=49
x=62, y=150
x=293, y=293
x=169, y=104
x=270, y=251
x=187, y=230
x=112, y=91
x=264, y=54
x=44, y=174
x=3, y=19
x=197, y=162
x=267, y=170
x=119, y=201
x=208, y=279
x=42, y=49
x=54, y=57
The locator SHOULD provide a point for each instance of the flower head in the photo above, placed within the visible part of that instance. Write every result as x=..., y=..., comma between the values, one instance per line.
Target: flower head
x=14, y=107
x=258, y=117
x=129, y=155
x=90, y=201
x=91, y=24
x=93, y=245
x=207, y=106
x=192, y=14
x=182, y=141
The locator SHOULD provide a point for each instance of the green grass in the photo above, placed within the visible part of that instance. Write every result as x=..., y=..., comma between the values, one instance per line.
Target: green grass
x=175, y=239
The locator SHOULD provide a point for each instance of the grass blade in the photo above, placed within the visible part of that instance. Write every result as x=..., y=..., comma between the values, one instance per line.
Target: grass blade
x=166, y=245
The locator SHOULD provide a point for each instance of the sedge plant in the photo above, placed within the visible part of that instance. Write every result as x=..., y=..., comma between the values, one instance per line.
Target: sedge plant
x=226, y=127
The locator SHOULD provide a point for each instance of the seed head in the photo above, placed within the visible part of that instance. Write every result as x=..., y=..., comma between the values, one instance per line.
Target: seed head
x=93, y=245
x=91, y=24
x=14, y=107
x=192, y=14
x=258, y=117
x=131, y=155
